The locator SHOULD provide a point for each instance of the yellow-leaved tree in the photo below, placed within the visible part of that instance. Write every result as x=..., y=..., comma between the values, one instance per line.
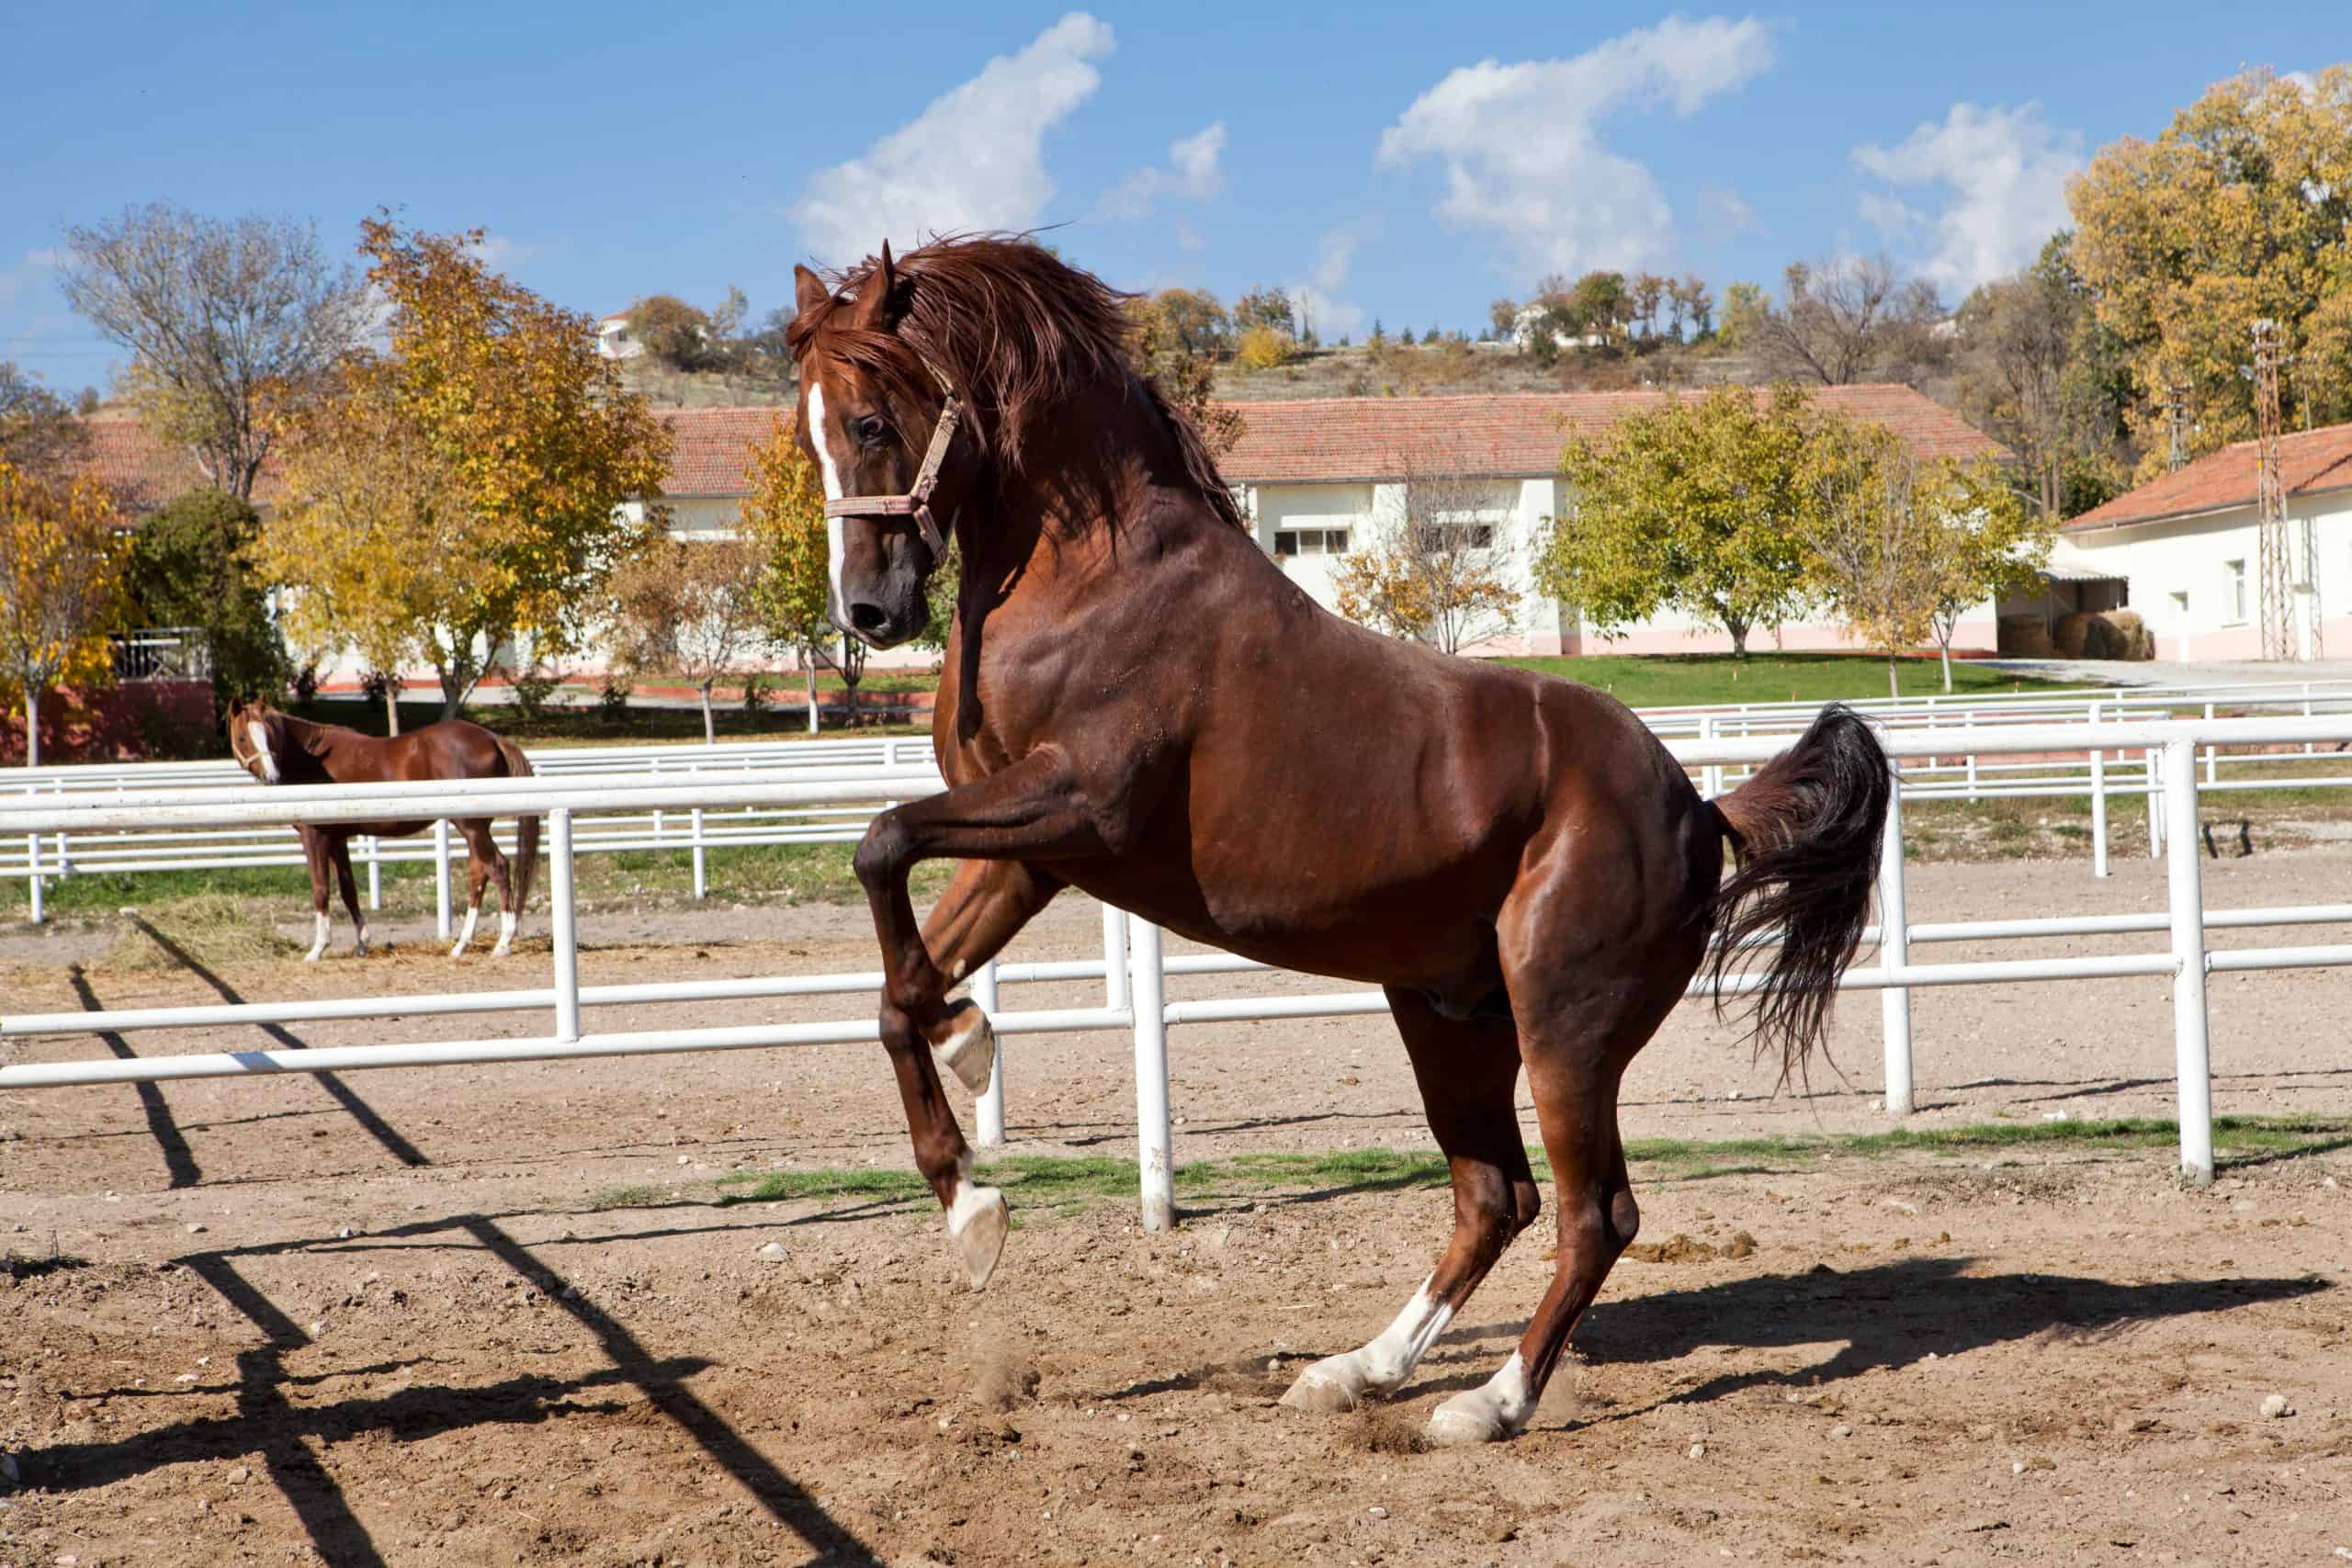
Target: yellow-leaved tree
x=783, y=519
x=61, y=555
x=1434, y=566
x=2241, y=210
x=530, y=470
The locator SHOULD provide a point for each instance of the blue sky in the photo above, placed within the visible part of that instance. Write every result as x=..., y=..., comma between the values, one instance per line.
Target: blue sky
x=1403, y=161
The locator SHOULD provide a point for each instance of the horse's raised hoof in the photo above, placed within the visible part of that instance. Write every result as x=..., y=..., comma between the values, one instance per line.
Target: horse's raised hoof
x=970, y=1051
x=976, y=1226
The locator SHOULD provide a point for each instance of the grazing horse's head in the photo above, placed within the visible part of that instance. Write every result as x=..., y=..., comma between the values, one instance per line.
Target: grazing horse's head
x=257, y=738
x=870, y=427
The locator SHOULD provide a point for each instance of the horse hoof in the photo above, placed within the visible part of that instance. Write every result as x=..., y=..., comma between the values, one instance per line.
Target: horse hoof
x=501, y=951
x=1330, y=1386
x=971, y=1052
x=976, y=1226
x=312, y=956
x=1467, y=1418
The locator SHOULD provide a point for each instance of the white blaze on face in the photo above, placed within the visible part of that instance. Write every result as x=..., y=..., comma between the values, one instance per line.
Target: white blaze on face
x=258, y=733
x=835, y=544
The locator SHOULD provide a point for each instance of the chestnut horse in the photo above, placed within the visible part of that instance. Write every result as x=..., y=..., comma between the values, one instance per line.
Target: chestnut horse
x=1138, y=703
x=277, y=747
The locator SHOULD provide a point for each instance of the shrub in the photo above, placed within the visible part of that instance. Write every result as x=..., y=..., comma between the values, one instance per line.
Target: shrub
x=1263, y=348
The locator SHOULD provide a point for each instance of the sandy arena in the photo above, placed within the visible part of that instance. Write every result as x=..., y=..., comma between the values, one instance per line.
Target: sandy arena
x=396, y=1317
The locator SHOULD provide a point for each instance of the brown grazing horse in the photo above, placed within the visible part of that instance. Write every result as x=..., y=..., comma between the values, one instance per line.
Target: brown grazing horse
x=277, y=747
x=1140, y=704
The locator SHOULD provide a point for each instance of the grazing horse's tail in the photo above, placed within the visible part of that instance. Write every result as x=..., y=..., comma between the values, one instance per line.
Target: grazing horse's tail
x=1806, y=828
x=526, y=829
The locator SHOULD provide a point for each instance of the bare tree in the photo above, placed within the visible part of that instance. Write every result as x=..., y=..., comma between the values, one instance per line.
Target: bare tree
x=1844, y=320
x=690, y=607
x=38, y=433
x=218, y=316
x=1435, y=569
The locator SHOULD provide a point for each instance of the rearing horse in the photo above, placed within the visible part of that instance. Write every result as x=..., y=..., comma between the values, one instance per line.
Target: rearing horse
x=277, y=747
x=1138, y=703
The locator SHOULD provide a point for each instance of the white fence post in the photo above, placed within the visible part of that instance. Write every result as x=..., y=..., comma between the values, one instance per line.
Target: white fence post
x=1895, y=951
x=2098, y=800
x=2212, y=755
x=374, y=872
x=1968, y=721
x=566, y=924
x=1114, y=956
x=701, y=881
x=1149, y=985
x=441, y=877
x=1710, y=775
x=2192, y=1052
x=2153, y=762
x=990, y=1108
x=32, y=883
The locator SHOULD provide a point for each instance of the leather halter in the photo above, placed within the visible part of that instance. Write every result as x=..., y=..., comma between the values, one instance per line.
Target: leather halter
x=916, y=503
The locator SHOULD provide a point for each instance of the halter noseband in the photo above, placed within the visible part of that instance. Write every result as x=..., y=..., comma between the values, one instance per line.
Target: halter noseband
x=916, y=503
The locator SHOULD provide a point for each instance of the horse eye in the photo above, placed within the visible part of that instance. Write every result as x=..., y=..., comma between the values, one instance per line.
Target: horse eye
x=870, y=428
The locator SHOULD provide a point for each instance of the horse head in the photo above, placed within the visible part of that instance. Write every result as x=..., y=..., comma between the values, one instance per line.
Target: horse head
x=881, y=439
x=257, y=739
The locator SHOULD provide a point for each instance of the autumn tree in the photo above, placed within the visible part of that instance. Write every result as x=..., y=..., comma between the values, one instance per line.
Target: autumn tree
x=1695, y=505
x=690, y=607
x=39, y=431
x=1267, y=308
x=1434, y=566
x=1847, y=319
x=783, y=519
x=220, y=318
x=1902, y=547
x=495, y=462
x=673, y=333
x=60, y=587
x=189, y=567
x=2030, y=374
x=2240, y=209
x=1193, y=321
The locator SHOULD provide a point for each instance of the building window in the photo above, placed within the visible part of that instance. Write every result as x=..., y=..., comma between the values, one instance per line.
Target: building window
x=2234, y=589
x=1445, y=537
x=1310, y=542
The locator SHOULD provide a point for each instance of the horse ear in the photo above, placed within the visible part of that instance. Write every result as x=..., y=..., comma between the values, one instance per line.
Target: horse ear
x=808, y=290
x=872, y=311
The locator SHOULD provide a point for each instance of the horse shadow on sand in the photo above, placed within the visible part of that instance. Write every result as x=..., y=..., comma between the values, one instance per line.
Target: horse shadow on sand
x=1889, y=1315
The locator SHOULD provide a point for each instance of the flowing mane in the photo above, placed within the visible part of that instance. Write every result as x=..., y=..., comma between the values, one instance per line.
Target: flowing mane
x=1022, y=333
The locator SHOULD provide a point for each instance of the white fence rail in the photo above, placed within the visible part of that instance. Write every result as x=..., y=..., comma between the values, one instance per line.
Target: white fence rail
x=1134, y=969
x=1962, y=774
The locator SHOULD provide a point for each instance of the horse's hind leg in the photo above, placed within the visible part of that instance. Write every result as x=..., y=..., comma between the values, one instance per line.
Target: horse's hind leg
x=1467, y=1073
x=339, y=851
x=481, y=851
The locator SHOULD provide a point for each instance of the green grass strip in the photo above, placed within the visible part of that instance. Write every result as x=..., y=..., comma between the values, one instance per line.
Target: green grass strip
x=1063, y=1179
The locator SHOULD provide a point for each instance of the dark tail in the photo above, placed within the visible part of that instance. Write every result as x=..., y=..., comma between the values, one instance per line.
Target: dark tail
x=1806, y=828
x=526, y=829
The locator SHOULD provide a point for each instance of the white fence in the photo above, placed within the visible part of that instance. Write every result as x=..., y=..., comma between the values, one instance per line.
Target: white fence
x=1134, y=969
x=1970, y=772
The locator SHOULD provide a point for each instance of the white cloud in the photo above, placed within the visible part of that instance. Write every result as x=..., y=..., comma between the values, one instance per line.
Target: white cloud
x=1195, y=171
x=501, y=252
x=1316, y=299
x=1523, y=148
x=2006, y=170
x=14, y=279
x=975, y=158
x=1890, y=215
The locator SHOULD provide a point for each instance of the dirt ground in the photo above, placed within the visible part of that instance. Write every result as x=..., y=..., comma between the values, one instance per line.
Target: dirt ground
x=384, y=1318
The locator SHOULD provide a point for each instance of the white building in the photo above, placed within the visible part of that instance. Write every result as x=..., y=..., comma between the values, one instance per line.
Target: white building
x=2184, y=551
x=613, y=340
x=1316, y=477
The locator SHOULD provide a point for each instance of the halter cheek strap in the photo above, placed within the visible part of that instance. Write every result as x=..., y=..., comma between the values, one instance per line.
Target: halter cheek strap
x=916, y=503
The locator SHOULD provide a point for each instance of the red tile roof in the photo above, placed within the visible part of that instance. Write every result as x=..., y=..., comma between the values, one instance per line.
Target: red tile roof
x=2311, y=462
x=1322, y=440
x=1516, y=436
x=709, y=458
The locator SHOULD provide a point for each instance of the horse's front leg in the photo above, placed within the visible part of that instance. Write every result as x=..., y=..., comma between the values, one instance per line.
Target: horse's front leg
x=984, y=907
x=339, y=850
x=314, y=850
x=1034, y=810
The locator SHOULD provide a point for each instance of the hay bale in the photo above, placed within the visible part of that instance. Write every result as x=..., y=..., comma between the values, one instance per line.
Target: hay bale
x=2025, y=637
x=2072, y=636
x=2131, y=633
